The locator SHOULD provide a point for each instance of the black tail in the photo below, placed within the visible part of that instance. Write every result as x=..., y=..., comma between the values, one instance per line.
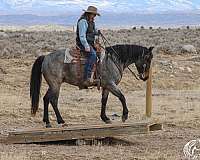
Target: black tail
x=35, y=84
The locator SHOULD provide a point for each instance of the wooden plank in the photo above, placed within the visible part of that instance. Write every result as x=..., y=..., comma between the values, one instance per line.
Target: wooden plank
x=3, y=139
x=155, y=127
x=78, y=132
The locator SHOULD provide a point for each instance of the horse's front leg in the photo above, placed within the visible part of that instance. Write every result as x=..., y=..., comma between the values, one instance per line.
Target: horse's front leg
x=116, y=91
x=104, y=100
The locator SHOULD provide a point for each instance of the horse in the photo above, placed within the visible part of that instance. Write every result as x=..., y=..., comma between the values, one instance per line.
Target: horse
x=116, y=59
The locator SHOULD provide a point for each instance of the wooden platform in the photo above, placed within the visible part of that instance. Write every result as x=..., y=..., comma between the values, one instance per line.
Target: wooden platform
x=79, y=132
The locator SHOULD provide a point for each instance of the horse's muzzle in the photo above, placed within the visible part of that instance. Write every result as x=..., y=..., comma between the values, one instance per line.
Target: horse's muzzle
x=143, y=76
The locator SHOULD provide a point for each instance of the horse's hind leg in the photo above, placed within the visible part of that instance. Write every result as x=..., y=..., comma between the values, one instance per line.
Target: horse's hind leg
x=46, y=105
x=115, y=91
x=104, y=99
x=54, y=102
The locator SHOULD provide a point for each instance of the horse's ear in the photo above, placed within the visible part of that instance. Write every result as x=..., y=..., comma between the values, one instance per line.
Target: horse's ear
x=151, y=48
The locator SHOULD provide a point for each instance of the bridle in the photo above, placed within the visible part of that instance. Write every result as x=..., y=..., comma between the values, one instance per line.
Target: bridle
x=106, y=41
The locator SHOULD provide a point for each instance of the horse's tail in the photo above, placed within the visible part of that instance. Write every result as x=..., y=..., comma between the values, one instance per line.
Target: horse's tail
x=35, y=84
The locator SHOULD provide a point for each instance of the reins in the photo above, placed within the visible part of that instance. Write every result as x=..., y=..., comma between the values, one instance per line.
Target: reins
x=105, y=40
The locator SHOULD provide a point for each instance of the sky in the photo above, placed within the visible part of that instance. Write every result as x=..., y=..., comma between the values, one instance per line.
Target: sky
x=67, y=7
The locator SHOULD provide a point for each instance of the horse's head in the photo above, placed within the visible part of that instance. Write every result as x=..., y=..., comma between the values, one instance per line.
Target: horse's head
x=143, y=63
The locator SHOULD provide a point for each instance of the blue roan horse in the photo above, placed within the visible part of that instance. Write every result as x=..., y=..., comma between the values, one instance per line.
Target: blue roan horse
x=55, y=72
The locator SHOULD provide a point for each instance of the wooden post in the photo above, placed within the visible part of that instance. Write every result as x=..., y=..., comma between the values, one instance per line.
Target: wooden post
x=149, y=94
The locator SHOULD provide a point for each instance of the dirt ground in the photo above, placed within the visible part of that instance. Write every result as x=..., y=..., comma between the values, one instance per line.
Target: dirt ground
x=176, y=97
x=175, y=104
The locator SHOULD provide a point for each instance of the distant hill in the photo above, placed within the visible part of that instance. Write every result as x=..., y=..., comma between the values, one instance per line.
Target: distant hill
x=106, y=19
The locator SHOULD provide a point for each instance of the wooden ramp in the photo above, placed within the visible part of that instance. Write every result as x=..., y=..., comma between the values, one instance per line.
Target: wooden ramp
x=80, y=132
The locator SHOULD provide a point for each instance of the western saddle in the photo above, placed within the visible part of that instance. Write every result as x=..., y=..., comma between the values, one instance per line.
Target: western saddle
x=79, y=58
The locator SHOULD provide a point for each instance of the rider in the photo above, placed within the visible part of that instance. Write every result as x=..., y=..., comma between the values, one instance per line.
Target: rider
x=85, y=38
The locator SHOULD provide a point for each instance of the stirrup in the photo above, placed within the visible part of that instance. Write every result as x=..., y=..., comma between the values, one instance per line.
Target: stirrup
x=87, y=83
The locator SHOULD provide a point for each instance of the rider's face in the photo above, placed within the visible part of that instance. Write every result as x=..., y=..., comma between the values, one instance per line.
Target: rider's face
x=92, y=16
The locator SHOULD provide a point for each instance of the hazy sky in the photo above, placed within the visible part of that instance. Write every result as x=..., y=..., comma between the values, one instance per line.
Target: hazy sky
x=58, y=7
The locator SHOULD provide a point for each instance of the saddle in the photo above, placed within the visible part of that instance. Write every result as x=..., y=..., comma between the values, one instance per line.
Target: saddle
x=78, y=58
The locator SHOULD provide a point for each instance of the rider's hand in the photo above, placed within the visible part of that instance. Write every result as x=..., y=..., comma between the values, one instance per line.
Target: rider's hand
x=87, y=49
x=99, y=32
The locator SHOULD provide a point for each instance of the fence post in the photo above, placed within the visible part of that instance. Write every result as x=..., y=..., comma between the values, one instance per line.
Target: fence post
x=149, y=94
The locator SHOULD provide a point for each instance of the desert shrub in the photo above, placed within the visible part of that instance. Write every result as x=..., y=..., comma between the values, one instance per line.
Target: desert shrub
x=134, y=28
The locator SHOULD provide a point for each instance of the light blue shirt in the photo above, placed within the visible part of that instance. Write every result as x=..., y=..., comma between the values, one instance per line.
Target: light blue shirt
x=83, y=26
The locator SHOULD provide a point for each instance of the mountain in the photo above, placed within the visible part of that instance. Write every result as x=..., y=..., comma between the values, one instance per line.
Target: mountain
x=114, y=12
x=107, y=19
x=58, y=7
x=29, y=19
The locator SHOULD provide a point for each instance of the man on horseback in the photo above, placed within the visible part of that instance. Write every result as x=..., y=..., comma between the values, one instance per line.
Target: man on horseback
x=56, y=72
x=85, y=39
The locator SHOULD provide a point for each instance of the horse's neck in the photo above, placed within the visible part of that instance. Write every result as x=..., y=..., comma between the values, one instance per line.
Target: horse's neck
x=128, y=63
x=107, y=58
x=117, y=62
x=131, y=61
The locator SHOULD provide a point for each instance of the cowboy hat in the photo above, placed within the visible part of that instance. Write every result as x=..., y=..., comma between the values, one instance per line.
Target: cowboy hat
x=92, y=9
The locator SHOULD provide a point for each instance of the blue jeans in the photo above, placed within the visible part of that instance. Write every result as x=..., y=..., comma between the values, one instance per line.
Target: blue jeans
x=91, y=60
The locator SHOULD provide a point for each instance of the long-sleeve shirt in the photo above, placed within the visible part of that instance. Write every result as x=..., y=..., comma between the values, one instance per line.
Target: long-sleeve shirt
x=83, y=26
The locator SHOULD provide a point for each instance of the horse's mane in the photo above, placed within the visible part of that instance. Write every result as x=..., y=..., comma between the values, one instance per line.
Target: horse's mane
x=126, y=52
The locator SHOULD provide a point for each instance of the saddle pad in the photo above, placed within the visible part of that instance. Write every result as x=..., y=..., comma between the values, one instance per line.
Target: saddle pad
x=71, y=57
x=68, y=57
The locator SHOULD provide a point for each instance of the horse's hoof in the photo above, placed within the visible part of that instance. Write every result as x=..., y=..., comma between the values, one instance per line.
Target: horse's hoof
x=65, y=125
x=48, y=125
x=62, y=125
x=124, y=118
x=108, y=121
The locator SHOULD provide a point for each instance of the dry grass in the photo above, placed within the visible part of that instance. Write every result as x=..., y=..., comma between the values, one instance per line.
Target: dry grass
x=175, y=103
x=25, y=42
x=177, y=109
